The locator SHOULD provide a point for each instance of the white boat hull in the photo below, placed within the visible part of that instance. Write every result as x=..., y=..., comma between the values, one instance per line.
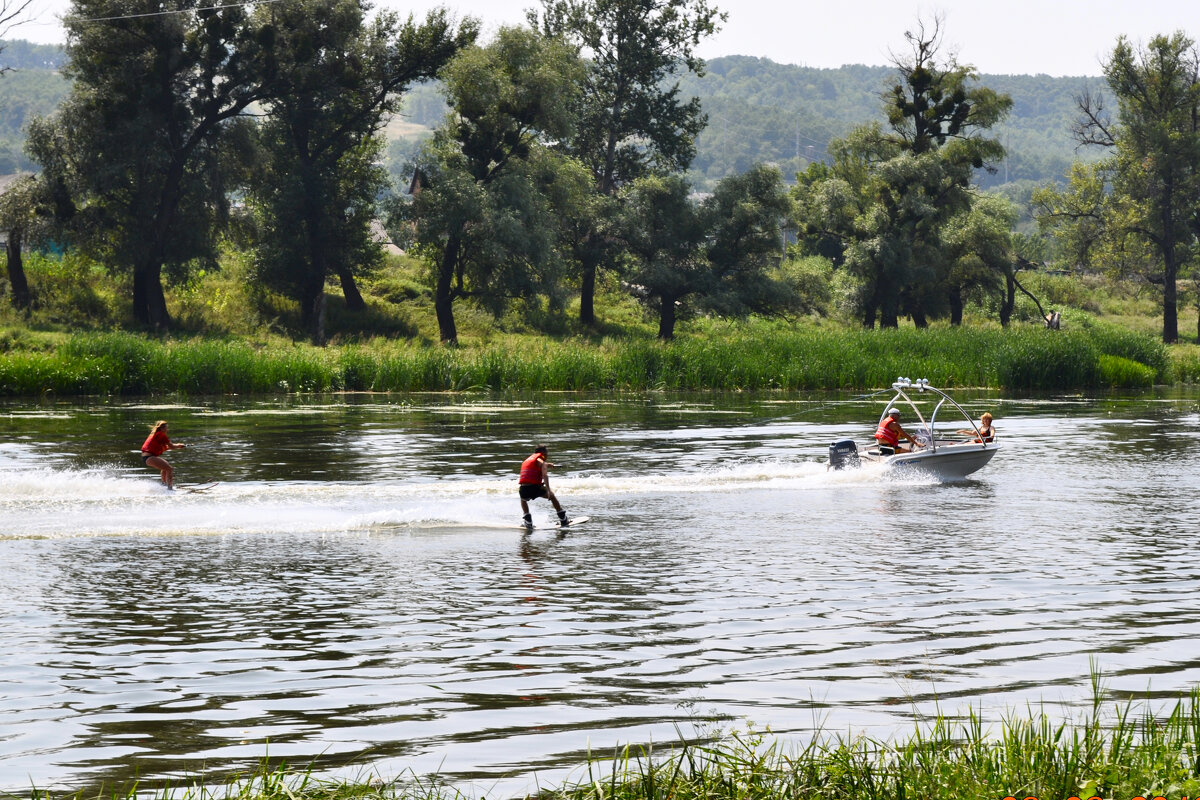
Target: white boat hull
x=946, y=462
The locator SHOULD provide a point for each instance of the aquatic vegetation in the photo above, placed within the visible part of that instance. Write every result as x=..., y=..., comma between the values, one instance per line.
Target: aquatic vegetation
x=764, y=357
x=1123, y=753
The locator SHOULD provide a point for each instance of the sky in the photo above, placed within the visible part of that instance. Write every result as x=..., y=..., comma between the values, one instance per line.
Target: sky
x=1055, y=37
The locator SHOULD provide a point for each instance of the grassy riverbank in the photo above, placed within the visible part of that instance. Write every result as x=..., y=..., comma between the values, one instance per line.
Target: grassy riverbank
x=760, y=356
x=232, y=340
x=1125, y=753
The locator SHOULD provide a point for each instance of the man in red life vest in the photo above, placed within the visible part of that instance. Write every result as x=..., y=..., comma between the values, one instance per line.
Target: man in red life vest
x=535, y=482
x=889, y=433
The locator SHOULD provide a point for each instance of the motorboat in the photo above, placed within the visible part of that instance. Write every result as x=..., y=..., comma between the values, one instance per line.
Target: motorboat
x=946, y=456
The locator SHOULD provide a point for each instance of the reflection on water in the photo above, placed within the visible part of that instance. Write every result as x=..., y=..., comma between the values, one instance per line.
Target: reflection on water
x=354, y=591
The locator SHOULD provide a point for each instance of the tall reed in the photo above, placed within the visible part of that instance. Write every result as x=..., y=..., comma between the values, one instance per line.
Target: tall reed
x=762, y=357
x=1122, y=753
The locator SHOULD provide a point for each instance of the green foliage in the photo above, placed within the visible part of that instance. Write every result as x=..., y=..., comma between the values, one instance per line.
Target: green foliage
x=1134, y=212
x=1118, y=372
x=1044, y=359
x=68, y=290
x=1124, y=752
x=18, y=54
x=1185, y=364
x=340, y=77
x=761, y=111
x=137, y=153
x=720, y=255
x=491, y=212
x=767, y=356
x=25, y=93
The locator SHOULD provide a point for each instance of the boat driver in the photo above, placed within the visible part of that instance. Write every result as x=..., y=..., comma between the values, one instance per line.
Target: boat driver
x=889, y=434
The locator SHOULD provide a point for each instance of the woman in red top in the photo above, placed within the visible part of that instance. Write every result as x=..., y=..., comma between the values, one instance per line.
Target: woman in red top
x=155, y=445
x=535, y=482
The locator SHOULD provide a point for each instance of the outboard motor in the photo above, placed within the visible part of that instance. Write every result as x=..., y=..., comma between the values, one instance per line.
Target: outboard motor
x=842, y=454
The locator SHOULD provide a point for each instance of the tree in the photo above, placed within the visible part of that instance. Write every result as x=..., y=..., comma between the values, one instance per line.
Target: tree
x=339, y=81
x=486, y=220
x=663, y=231
x=138, y=142
x=1153, y=191
x=631, y=118
x=720, y=255
x=744, y=244
x=17, y=216
x=979, y=248
x=882, y=208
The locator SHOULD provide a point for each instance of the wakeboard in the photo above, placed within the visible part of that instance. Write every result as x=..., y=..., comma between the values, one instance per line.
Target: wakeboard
x=574, y=522
x=203, y=487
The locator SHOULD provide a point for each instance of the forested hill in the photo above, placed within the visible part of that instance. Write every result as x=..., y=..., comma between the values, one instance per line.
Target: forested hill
x=20, y=54
x=763, y=111
x=31, y=86
x=758, y=111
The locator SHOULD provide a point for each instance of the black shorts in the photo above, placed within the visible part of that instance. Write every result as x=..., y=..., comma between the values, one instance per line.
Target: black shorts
x=532, y=491
x=146, y=457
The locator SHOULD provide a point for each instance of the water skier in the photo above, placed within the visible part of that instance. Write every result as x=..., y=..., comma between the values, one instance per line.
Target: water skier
x=153, y=448
x=535, y=482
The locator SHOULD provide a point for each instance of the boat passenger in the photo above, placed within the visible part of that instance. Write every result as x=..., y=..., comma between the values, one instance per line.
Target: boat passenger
x=986, y=432
x=535, y=482
x=889, y=434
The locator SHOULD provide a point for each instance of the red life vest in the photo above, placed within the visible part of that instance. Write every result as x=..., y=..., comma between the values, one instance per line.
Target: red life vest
x=531, y=470
x=156, y=444
x=884, y=434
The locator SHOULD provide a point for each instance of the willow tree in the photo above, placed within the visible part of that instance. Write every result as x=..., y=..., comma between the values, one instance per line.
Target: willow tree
x=1145, y=194
x=139, y=142
x=487, y=216
x=631, y=120
x=340, y=78
x=885, y=202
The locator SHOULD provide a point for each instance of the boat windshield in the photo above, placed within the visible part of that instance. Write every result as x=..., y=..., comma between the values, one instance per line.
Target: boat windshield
x=906, y=387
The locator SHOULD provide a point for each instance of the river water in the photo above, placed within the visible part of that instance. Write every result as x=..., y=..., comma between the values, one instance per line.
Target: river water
x=354, y=593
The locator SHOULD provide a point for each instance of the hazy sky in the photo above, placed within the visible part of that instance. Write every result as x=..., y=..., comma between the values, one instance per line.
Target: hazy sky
x=1057, y=37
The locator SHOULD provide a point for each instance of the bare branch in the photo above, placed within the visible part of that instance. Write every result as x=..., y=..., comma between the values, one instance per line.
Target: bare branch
x=1094, y=127
x=10, y=14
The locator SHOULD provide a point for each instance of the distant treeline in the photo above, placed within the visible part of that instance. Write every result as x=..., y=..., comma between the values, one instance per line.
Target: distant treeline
x=30, y=87
x=20, y=54
x=759, y=111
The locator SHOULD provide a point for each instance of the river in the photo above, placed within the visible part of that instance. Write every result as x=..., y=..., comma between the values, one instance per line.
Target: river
x=354, y=593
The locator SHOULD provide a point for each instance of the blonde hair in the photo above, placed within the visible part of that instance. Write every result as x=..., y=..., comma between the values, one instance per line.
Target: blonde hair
x=156, y=427
x=986, y=415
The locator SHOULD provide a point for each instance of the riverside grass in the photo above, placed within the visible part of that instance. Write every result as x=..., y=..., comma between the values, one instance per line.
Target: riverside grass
x=1122, y=754
x=770, y=357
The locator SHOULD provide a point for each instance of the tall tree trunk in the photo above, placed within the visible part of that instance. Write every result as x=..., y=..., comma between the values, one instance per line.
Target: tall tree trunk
x=318, y=317
x=443, y=299
x=149, y=302
x=956, y=305
x=889, y=315
x=587, y=289
x=354, y=298
x=666, y=318
x=1010, y=297
x=16, y=271
x=1170, y=300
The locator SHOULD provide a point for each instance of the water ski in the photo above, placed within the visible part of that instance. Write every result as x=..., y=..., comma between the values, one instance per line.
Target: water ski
x=574, y=521
x=204, y=487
